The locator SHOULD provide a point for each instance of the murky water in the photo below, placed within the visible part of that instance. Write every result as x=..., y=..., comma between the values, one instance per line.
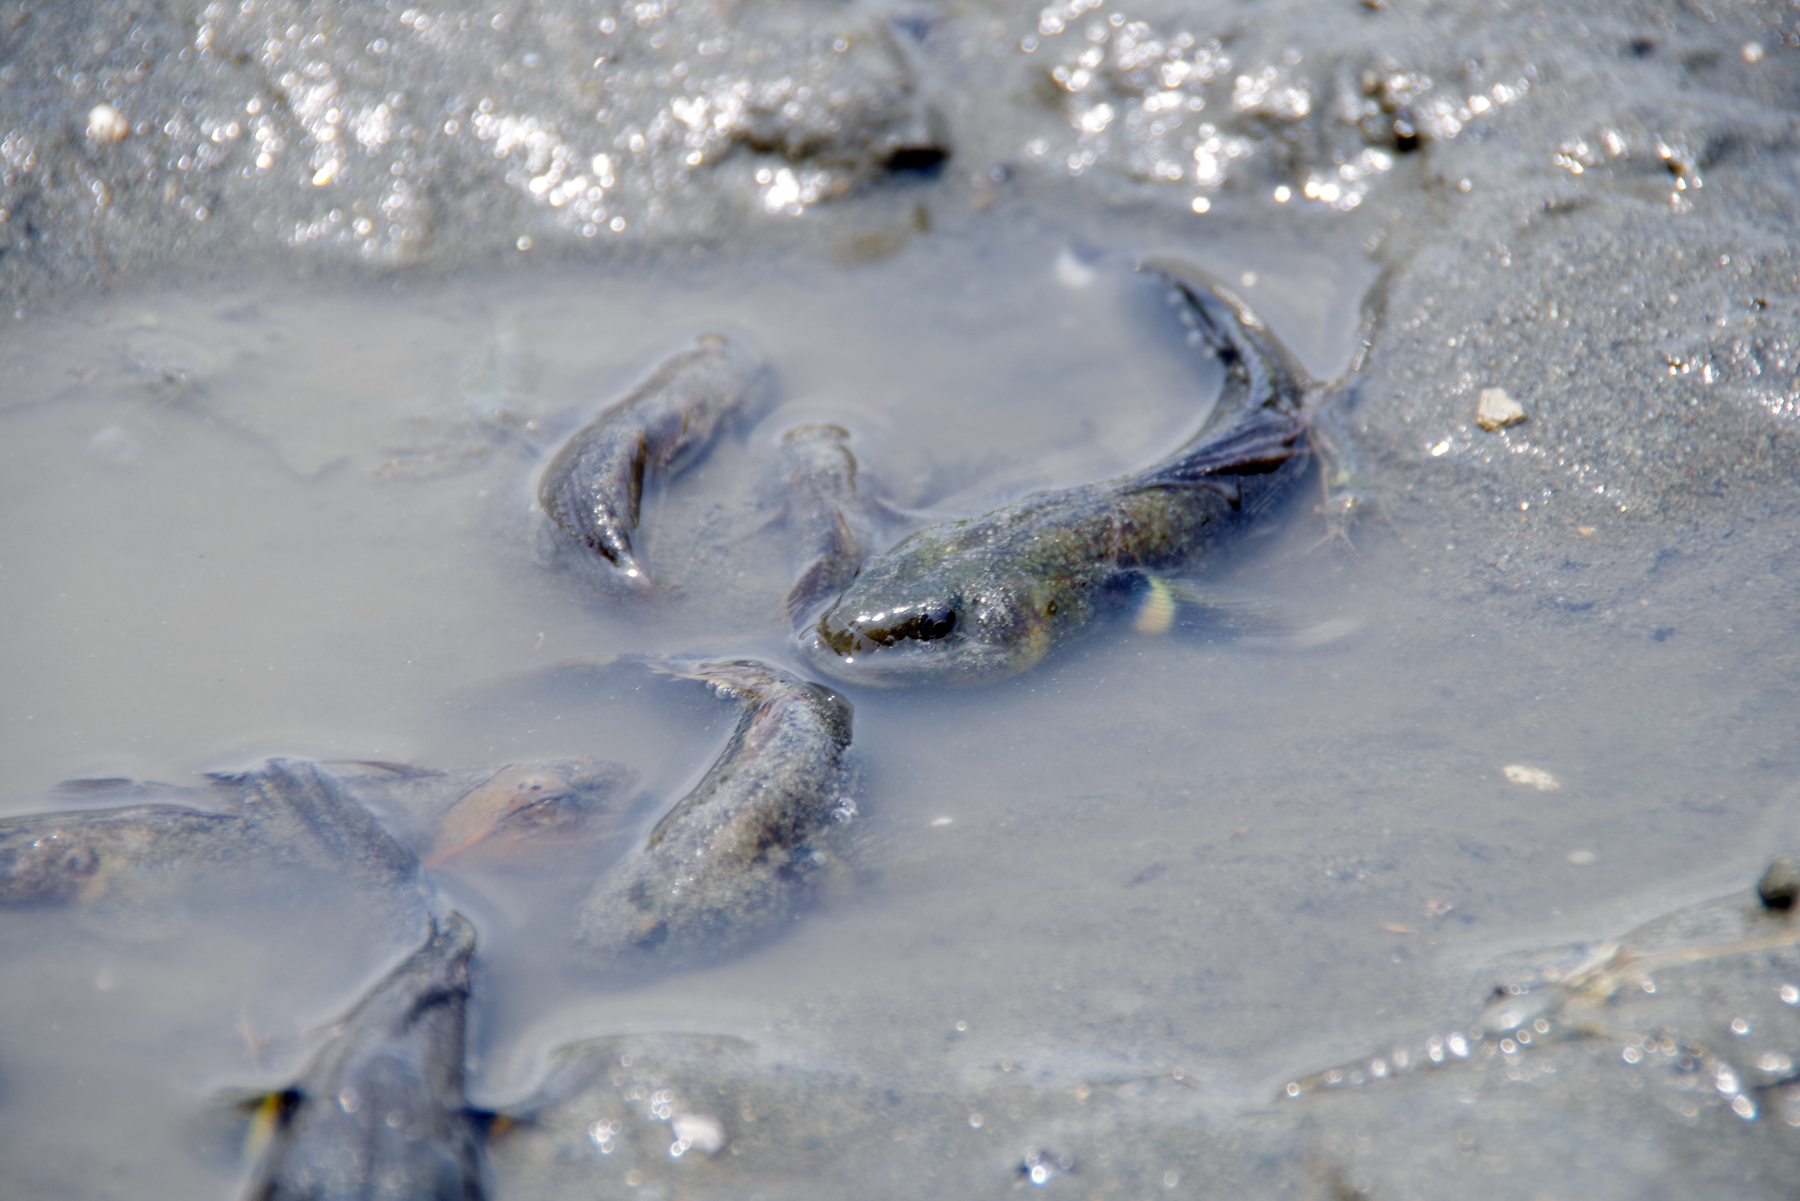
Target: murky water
x=293, y=519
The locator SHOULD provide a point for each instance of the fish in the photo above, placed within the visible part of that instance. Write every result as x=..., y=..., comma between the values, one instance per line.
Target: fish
x=75, y=857
x=287, y=814
x=521, y=813
x=829, y=519
x=592, y=489
x=379, y=1114
x=518, y=812
x=980, y=599
x=735, y=856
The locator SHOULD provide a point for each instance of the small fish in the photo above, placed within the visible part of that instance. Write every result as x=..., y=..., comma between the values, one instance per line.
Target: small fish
x=830, y=521
x=63, y=857
x=287, y=813
x=977, y=600
x=735, y=855
x=521, y=808
x=380, y=1111
x=592, y=489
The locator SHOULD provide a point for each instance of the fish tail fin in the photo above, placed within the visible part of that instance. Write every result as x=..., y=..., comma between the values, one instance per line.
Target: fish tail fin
x=1265, y=406
x=1259, y=371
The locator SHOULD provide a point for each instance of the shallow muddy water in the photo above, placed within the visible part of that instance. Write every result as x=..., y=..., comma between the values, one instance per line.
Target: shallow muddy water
x=297, y=519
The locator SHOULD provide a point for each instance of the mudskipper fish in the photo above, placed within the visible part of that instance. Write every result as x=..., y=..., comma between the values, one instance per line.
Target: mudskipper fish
x=980, y=599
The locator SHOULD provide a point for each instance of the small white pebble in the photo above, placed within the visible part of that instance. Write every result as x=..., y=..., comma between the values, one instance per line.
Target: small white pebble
x=1536, y=777
x=1494, y=408
x=107, y=124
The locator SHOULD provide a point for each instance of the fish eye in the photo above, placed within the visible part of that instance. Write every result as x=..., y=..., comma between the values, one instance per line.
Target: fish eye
x=932, y=623
x=927, y=624
x=936, y=623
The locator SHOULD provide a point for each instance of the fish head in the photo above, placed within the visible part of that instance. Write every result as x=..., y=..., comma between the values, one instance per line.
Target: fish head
x=898, y=625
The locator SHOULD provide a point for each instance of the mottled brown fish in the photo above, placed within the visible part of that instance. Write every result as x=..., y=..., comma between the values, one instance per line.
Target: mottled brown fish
x=287, y=813
x=59, y=857
x=734, y=857
x=593, y=488
x=521, y=814
x=977, y=600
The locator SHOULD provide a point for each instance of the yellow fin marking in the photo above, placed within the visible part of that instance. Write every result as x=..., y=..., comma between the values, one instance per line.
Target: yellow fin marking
x=263, y=1121
x=1157, y=612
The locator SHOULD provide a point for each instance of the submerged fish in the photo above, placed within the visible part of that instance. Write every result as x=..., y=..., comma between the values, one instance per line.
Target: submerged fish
x=523, y=811
x=829, y=518
x=51, y=857
x=299, y=811
x=981, y=599
x=593, y=487
x=380, y=1112
x=295, y=812
x=285, y=814
x=735, y=855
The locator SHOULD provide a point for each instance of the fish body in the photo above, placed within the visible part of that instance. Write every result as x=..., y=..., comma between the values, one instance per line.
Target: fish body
x=286, y=815
x=79, y=856
x=736, y=854
x=593, y=488
x=977, y=600
x=296, y=813
x=379, y=1114
x=828, y=517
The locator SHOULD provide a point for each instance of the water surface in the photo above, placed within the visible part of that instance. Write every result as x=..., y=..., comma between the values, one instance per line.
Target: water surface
x=297, y=518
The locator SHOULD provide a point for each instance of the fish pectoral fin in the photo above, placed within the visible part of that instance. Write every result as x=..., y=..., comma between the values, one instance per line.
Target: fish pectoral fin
x=1164, y=604
x=237, y=1124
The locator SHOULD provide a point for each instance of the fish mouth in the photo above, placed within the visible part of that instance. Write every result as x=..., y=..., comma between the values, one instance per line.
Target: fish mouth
x=848, y=655
x=853, y=658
